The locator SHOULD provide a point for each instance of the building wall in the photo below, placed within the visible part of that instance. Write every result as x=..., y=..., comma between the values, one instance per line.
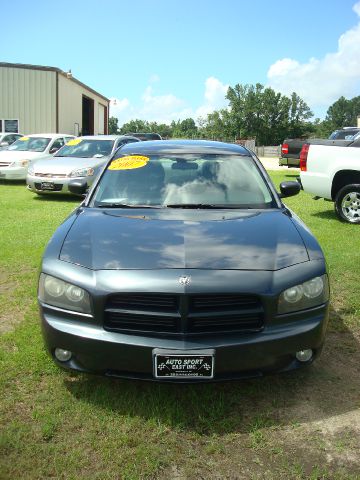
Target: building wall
x=70, y=106
x=30, y=96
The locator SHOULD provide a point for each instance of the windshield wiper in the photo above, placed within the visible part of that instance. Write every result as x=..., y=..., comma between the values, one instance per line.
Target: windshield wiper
x=126, y=205
x=195, y=205
x=210, y=206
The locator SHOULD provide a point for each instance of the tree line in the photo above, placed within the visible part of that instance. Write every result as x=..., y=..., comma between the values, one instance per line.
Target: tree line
x=256, y=112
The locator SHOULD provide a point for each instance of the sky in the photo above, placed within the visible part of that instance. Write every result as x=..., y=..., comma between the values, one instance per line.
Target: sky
x=164, y=60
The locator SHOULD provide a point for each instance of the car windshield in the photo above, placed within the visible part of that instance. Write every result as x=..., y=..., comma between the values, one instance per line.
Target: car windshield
x=186, y=181
x=146, y=136
x=30, y=144
x=343, y=134
x=85, y=148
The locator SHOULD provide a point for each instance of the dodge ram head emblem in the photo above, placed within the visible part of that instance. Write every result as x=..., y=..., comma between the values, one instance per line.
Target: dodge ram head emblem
x=184, y=280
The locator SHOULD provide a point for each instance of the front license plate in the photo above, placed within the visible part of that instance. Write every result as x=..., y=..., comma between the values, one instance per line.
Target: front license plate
x=175, y=365
x=47, y=186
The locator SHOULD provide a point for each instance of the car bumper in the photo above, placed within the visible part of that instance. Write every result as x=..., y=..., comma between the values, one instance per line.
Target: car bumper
x=35, y=184
x=289, y=162
x=61, y=185
x=237, y=356
x=13, y=173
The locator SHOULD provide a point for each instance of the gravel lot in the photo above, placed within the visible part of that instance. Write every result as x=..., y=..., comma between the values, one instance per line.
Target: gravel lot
x=272, y=163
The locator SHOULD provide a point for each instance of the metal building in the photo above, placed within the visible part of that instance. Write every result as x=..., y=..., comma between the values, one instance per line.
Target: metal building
x=36, y=99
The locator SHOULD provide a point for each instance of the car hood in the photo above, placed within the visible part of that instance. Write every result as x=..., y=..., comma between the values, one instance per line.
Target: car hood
x=13, y=156
x=66, y=165
x=116, y=239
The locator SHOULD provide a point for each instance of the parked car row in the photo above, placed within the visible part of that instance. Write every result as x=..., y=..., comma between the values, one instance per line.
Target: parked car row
x=15, y=159
x=48, y=161
x=291, y=148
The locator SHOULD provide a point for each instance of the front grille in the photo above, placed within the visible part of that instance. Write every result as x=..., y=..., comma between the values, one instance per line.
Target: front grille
x=5, y=164
x=57, y=187
x=158, y=302
x=126, y=321
x=200, y=303
x=183, y=314
x=50, y=175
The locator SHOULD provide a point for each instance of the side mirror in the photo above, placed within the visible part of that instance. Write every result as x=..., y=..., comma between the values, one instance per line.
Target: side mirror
x=4, y=144
x=289, y=189
x=53, y=150
x=78, y=187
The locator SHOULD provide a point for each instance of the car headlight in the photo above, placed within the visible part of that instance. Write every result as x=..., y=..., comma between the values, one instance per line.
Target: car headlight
x=82, y=172
x=31, y=170
x=24, y=163
x=58, y=293
x=309, y=294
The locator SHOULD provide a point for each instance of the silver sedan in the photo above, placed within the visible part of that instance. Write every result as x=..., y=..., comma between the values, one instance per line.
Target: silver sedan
x=81, y=158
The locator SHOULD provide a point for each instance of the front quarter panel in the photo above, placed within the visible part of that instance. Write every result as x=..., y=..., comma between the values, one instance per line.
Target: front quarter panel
x=312, y=245
x=53, y=248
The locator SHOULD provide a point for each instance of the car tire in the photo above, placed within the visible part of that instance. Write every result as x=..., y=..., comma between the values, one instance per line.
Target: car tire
x=347, y=203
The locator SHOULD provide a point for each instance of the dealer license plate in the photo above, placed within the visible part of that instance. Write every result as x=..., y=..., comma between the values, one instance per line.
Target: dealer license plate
x=47, y=186
x=188, y=365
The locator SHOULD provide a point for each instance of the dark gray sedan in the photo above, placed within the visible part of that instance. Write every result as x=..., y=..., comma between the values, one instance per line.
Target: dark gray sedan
x=183, y=264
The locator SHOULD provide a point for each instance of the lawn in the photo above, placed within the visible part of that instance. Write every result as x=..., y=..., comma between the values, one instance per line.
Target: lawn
x=53, y=424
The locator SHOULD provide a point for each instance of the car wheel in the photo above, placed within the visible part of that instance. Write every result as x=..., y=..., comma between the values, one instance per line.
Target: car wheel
x=347, y=204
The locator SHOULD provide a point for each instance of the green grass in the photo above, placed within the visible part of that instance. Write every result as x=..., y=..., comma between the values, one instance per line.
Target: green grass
x=54, y=424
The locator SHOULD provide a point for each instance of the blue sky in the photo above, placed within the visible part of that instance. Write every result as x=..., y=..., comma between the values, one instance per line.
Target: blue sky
x=162, y=60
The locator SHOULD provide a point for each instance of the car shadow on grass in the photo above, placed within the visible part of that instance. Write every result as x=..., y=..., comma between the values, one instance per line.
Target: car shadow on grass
x=327, y=214
x=325, y=389
x=293, y=175
x=58, y=197
x=3, y=181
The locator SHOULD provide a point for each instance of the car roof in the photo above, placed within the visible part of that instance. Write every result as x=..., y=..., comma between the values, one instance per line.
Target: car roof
x=103, y=137
x=177, y=147
x=49, y=135
x=11, y=133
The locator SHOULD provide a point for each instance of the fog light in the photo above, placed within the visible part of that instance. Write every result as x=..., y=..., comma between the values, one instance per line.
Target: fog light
x=304, y=355
x=62, y=355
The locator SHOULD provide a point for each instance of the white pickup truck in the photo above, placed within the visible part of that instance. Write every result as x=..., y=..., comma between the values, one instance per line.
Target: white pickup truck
x=330, y=169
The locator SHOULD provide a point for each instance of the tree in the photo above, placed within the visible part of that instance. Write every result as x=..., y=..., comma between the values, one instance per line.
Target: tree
x=184, y=128
x=135, y=126
x=299, y=113
x=343, y=113
x=113, y=126
x=217, y=126
x=261, y=113
x=162, y=129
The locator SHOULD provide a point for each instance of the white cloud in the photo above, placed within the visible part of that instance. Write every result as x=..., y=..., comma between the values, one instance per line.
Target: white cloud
x=214, y=96
x=356, y=8
x=154, y=78
x=117, y=106
x=282, y=67
x=168, y=107
x=320, y=82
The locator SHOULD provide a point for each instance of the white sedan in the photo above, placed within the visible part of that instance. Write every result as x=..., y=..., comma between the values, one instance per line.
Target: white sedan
x=14, y=161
